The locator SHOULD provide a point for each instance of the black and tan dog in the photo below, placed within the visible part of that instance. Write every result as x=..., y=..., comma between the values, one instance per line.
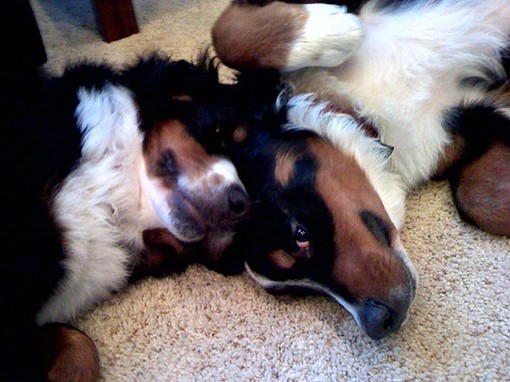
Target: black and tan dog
x=100, y=167
x=377, y=103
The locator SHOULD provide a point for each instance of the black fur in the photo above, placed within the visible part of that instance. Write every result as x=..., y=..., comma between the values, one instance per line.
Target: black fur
x=156, y=80
x=480, y=127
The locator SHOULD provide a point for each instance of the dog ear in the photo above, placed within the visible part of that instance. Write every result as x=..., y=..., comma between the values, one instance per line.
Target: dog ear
x=256, y=91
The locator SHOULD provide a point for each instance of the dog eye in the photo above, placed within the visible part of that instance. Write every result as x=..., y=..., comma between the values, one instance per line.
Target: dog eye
x=302, y=237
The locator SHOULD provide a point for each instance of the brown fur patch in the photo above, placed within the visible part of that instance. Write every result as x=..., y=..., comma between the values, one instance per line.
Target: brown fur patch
x=162, y=255
x=282, y=259
x=247, y=36
x=451, y=155
x=364, y=265
x=239, y=135
x=284, y=166
x=483, y=193
x=158, y=236
x=69, y=354
x=182, y=97
x=172, y=137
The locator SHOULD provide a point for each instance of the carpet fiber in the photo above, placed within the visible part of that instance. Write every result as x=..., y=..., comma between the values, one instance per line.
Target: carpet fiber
x=201, y=326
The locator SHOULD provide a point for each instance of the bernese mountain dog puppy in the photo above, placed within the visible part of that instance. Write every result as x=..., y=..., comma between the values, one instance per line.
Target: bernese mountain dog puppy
x=109, y=175
x=395, y=93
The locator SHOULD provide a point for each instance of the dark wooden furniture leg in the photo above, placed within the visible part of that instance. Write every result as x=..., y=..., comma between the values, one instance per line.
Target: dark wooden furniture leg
x=116, y=19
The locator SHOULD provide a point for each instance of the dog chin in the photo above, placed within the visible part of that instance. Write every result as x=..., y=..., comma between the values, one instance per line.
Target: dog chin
x=185, y=222
x=187, y=230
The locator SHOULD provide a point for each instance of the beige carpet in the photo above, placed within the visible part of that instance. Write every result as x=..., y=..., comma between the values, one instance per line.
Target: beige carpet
x=201, y=326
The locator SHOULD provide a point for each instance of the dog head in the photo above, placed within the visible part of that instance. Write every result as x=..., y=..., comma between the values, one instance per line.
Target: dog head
x=194, y=190
x=320, y=217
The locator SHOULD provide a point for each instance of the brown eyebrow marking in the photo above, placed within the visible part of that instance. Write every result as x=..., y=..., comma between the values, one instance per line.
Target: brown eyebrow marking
x=284, y=166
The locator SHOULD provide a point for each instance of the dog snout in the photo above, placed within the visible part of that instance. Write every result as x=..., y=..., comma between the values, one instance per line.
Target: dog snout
x=379, y=319
x=229, y=206
x=238, y=200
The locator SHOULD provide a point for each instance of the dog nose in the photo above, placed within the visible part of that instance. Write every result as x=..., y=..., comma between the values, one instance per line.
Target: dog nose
x=238, y=200
x=378, y=320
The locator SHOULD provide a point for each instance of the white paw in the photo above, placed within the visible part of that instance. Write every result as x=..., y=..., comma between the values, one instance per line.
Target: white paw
x=329, y=37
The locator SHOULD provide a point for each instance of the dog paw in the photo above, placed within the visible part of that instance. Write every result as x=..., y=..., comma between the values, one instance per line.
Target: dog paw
x=328, y=38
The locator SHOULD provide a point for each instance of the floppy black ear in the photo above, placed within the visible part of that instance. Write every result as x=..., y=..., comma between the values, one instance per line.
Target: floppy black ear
x=256, y=91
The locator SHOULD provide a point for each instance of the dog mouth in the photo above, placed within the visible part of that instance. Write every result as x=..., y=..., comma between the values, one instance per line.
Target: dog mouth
x=186, y=223
x=198, y=219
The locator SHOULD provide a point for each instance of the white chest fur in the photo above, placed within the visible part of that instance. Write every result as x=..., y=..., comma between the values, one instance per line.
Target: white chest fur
x=100, y=207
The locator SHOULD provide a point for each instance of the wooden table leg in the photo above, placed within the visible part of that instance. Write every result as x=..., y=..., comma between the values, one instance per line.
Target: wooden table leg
x=116, y=19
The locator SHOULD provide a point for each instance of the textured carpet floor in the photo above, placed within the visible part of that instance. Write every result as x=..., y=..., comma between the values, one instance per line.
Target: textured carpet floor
x=201, y=326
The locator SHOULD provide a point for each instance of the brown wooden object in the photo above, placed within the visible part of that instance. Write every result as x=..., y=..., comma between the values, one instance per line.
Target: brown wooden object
x=116, y=19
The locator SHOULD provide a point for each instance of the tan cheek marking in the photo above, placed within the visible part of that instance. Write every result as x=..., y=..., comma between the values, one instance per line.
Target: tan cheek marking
x=284, y=167
x=344, y=186
x=258, y=36
x=364, y=266
x=282, y=259
x=190, y=156
x=153, y=147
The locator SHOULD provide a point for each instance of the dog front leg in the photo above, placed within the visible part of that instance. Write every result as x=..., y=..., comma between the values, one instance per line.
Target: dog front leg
x=286, y=36
x=163, y=254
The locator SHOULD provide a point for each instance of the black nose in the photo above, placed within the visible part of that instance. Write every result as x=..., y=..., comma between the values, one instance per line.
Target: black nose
x=378, y=320
x=238, y=200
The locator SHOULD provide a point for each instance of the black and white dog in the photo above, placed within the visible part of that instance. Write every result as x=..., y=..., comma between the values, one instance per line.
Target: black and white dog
x=396, y=94
x=100, y=168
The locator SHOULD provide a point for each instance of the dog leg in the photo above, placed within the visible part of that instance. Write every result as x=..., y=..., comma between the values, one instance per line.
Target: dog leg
x=163, y=254
x=286, y=36
x=479, y=174
x=482, y=192
x=68, y=354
